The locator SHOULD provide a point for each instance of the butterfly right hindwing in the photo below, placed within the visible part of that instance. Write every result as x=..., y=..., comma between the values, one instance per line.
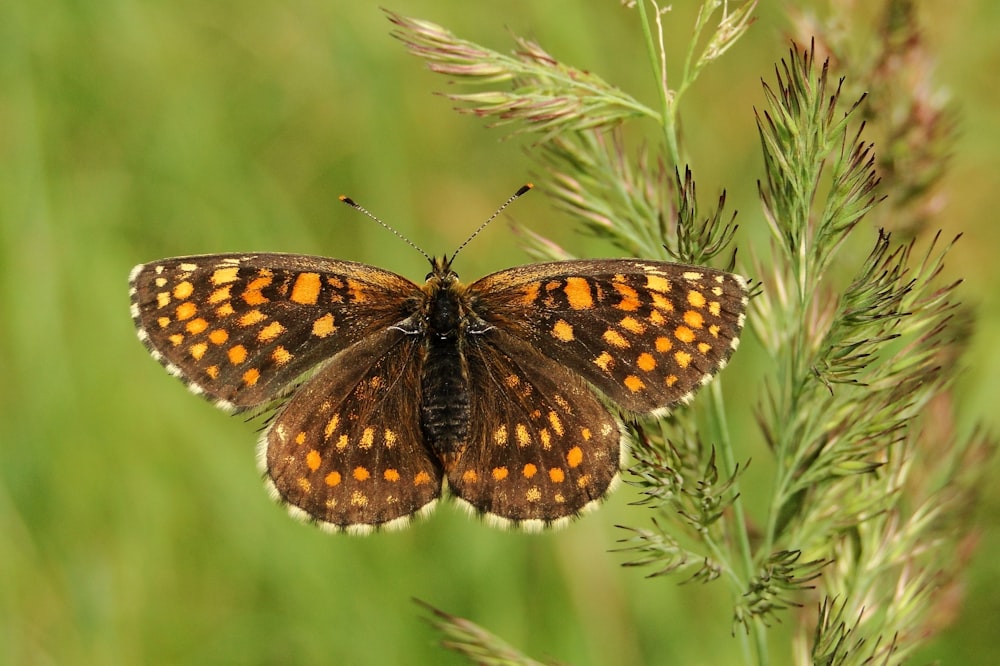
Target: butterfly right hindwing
x=347, y=450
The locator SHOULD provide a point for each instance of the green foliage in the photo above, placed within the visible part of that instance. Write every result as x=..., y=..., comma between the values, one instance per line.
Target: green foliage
x=855, y=366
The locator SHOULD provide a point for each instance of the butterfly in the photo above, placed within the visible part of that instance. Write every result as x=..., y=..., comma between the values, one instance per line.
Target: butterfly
x=509, y=390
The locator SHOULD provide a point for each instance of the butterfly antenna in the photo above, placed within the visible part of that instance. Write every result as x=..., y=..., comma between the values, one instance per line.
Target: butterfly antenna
x=522, y=190
x=356, y=206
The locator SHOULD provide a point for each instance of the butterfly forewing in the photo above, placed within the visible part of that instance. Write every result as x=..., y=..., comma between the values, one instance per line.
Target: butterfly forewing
x=646, y=333
x=242, y=328
x=347, y=450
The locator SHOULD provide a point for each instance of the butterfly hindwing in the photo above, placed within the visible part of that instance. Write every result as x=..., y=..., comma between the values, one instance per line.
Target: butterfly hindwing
x=347, y=451
x=542, y=447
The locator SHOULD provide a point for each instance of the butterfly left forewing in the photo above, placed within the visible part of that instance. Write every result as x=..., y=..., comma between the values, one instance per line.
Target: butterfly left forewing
x=646, y=333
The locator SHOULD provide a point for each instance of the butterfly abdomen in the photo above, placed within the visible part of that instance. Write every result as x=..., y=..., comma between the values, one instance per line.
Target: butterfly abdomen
x=445, y=402
x=445, y=377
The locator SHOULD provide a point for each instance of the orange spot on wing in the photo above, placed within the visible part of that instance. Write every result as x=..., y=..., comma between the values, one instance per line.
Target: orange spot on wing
x=632, y=325
x=183, y=290
x=693, y=319
x=306, y=289
x=630, y=297
x=251, y=376
x=331, y=426
x=696, y=299
x=684, y=334
x=657, y=283
x=250, y=318
x=196, y=326
x=220, y=295
x=237, y=354
x=661, y=302
x=313, y=460
x=615, y=339
x=522, y=435
x=224, y=275
x=578, y=294
x=604, y=361
x=562, y=331
x=254, y=297
x=323, y=326
x=530, y=293
x=556, y=423
x=634, y=384
x=186, y=310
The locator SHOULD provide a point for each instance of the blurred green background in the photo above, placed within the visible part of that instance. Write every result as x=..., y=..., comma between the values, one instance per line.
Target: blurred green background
x=133, y=526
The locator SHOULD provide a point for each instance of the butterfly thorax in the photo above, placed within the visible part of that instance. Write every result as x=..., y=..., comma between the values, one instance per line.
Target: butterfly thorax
x=446, y=322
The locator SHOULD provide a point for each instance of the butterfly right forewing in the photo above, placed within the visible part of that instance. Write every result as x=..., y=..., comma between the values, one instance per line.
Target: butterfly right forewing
x=242, y=328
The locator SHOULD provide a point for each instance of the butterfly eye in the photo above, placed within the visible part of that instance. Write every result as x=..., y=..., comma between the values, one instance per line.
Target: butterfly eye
x=450, y=276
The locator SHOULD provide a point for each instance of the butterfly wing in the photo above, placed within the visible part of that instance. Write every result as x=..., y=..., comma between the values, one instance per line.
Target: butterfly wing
x=347, y=451
x=646, y=333
x=542, y=447
x=241, y=329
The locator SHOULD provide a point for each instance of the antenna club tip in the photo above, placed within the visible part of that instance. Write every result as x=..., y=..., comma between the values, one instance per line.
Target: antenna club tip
x=347, y=200
x=525, y=188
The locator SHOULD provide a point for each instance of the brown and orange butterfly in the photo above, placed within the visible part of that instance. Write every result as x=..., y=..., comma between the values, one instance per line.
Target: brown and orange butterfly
x=384, y=389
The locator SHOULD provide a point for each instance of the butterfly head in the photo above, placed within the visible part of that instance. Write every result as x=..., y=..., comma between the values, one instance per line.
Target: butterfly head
x=441, y=270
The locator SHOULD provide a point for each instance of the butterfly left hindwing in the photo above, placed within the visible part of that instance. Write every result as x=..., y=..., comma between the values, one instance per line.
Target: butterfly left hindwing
x=542, y=447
